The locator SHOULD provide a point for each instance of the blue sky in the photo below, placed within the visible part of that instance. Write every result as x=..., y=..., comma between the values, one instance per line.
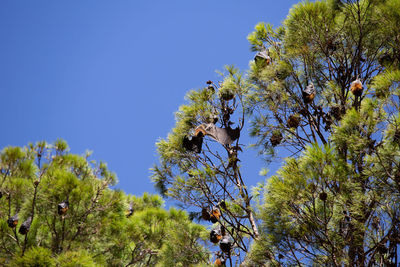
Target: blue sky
x=107, y=76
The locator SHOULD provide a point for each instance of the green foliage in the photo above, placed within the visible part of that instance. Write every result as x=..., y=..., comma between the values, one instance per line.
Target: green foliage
x=206, y=179
x=329, y=43
x=329, y=99
x=34, y=257
x=334, y=202
x=102, y=227
x=387, y=83
x=177, y=251
x=321, y=208
x=75, y=259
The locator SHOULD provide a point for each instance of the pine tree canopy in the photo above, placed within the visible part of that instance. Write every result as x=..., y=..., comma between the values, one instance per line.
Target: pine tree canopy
x=321, y=97
x=77, y=219
x=323, y=90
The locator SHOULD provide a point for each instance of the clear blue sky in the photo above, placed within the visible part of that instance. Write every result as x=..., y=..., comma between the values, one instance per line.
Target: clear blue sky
x=107, y=76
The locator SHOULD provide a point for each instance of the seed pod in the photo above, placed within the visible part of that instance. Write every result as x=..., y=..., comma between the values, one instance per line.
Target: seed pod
x=209, y=82
x=63, y=207
x=226, y=95
x=323, y=196
x=276, y=138
x=356, y=87
x=25, y=226
x=13, y=221
x=293, y=121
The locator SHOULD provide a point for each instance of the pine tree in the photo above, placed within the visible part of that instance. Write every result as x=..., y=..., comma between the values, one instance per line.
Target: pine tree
x=323, y=89
x=57, y=209
x=335, y=200
x=199, y=163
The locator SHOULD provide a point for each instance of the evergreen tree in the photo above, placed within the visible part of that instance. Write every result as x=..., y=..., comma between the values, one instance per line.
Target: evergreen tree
x=57, y=209
x=199, y=163
x=323, y=89
x=332, y=95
